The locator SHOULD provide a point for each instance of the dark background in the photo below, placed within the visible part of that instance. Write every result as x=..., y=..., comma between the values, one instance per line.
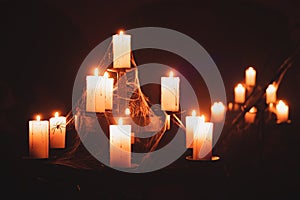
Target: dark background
x=44, y=43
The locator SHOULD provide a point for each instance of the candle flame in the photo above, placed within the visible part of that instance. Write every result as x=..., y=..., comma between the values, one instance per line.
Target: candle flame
x=193, y=113
x=271, y=88
x=251, y=70
x=38, y=117
x=56, y=114
x=171, y=74
x=253, y=110
x=120, y=121
x=96, y=72
x=121, y=32
x=105, y=74
x=127, y=111
x=240, y=87
x=202, y=117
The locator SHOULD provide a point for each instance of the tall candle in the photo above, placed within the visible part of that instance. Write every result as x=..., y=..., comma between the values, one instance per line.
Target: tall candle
x=250, y=76
x=170, y=93
x=95, y=97
x=217, y=112
x=271, y=94
x=39, y=138
x=250, y=115
x=191, y=123
x=282, y=111
x=202, y=144
x=57, y=131
x=120, y=145
x=121, y=50
x=239, y=93
x=108, y=91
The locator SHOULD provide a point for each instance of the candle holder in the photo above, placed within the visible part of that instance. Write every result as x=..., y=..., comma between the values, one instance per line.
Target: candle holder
x=213, y=158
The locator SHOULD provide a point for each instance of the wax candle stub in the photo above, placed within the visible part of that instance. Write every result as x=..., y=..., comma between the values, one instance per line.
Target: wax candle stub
x=250, y=78
x=170, y=93
x=218, y=112
x=239, y=93
x=282, y=111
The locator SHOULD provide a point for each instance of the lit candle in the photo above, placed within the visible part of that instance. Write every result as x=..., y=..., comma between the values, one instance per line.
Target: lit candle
x=95, y=97
x=239, y=93
x=217, y=112
x=191, y=123
x=39, y=138
x=108, y=91
x=271, y=94
x=121, y=50
x=250, y=115
x=202, y=144
x=170, y=93
x=282, y=111
x=57, y=131
x=120, y=145
x=250, y=76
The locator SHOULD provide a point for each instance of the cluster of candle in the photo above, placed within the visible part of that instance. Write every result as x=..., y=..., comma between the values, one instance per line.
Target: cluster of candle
x=45, y=135
x=278, y=107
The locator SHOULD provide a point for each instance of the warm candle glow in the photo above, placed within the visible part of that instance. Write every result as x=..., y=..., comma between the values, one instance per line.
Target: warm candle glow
x=38, y=118
x=170, y=92
x=127, y=111
x=121, y=32
x=282, y=111
x=193, y=113
x=217, y=111
x=120, y=121
x=250, y=76
x=250, y=115
x=271, y=94
x=105, y=75
x=239, y=93
x=171, y=74
x=56, y=114
x=96, y=72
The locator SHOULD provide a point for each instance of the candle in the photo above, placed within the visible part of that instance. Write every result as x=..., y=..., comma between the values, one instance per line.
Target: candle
x=108, y=91
x=127, y=120
x=121, y=50
x=217, y=112
x=191, y=123
x=57, y=131
x=239, y=93
x=168, y=122
x=250, y=115
x=282, y=111
x=250, y=76
x=95, y=97
x=120, y=145
x=202, y=144
x=170, y=93
x=271, y=94
x=39, y=138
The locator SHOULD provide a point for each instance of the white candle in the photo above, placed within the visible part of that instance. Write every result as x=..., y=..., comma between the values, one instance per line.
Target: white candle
x=108, y=91
x=202, y=144
x=250, y=76
x=239, y=93
x=39, y=138
x=282, y=111
x=170, y=93
x=95, y=98
x=121, y=50
x=57, y=131
x=250, y=115
x=271, y=94
x=191, y=123
x=217, y=112
x=127, y=121
x=120, y=145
